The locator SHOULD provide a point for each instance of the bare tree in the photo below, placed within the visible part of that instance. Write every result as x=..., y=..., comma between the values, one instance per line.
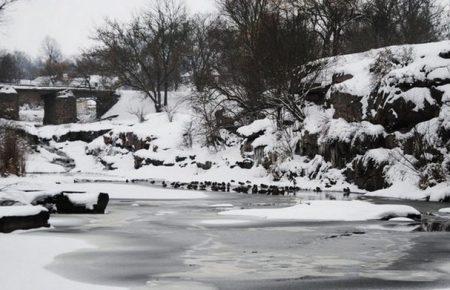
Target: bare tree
x=10, y=70
x=169, y=25
x=242, y=54
x=146, y=54
x=173, y=108
x=139, y=111
x=5, y=4
x=419, y=20
x=330, y=18
x=394, y=22
x=264, y=49
x=208, y=106
x=55, y=66
x=203, y=53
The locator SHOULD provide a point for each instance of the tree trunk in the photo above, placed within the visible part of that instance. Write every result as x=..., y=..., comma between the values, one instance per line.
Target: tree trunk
x=166, y=88
x=158, y=100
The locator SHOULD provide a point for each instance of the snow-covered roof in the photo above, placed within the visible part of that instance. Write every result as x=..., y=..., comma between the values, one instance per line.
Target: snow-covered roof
x=7, y=90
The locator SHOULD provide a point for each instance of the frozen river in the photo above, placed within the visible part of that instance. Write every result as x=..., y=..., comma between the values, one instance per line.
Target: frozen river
x=185, y=244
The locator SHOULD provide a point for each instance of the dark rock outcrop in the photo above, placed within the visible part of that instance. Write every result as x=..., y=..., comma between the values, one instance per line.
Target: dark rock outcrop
x=402, y=115
x=336, y=152
x=317, y=95
x=367, y=173
x=347, y=106
x=85, y=136
x=128, y=140
x=139, y=162
x=308, y=145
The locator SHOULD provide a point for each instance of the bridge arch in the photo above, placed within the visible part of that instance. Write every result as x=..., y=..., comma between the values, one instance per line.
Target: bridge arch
x=60, y=103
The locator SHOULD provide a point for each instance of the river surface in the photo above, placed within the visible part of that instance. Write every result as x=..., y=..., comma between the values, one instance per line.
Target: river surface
x=185, y=244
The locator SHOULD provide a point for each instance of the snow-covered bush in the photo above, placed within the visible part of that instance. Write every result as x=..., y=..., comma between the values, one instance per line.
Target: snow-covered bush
x=139, y=112
x=172, y=108
x=188, y=134
x=386, y=60
x=210, y=115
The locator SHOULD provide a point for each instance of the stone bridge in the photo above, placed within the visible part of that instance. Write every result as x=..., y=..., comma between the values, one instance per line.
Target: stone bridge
x=60, y=103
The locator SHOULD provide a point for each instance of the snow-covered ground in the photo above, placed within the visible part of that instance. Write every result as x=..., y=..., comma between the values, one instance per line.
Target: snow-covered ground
x=28, y=190
x=24, y=257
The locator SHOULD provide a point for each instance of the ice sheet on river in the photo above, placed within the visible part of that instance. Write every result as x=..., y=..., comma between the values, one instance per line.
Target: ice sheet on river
x=324, y=210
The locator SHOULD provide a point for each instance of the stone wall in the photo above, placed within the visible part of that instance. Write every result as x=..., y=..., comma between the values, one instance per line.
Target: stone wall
x=105, y=101
x=9, y=106
x=31, y=98
x=59, y=109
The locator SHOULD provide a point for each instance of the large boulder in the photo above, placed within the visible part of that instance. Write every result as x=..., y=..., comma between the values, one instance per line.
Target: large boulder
x=445, y=54
x=22, y=217
x=81, y=203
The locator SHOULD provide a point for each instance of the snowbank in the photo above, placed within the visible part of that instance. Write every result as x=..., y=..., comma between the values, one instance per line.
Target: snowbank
x=325, y=210
x=21, y=210
x=445, y=210
x=255, y=127
x=85, y=199
x=7, y=90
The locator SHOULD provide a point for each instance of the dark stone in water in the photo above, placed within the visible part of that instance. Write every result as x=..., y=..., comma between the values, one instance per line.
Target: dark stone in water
x=180, y=158
x=8, y=202
x=13, y=223
x=65, y=206
x=445, y=54
x=431, y=223
x=246, y=164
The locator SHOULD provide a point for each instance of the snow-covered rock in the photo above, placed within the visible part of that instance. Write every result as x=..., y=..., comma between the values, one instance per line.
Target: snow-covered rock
x=22, y=217
x=77, y=203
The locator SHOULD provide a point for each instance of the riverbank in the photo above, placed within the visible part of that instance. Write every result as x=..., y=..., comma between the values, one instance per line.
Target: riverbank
x=185, y=243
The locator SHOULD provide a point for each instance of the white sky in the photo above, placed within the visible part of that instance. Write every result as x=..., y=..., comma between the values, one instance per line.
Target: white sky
x=70, y=22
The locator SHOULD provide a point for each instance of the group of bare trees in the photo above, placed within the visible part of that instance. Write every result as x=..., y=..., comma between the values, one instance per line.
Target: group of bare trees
x=256, y=53
x=15, y=66
x=147, y=53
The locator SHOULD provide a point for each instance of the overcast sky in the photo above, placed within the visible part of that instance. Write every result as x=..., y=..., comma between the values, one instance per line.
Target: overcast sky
x=70, y=22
